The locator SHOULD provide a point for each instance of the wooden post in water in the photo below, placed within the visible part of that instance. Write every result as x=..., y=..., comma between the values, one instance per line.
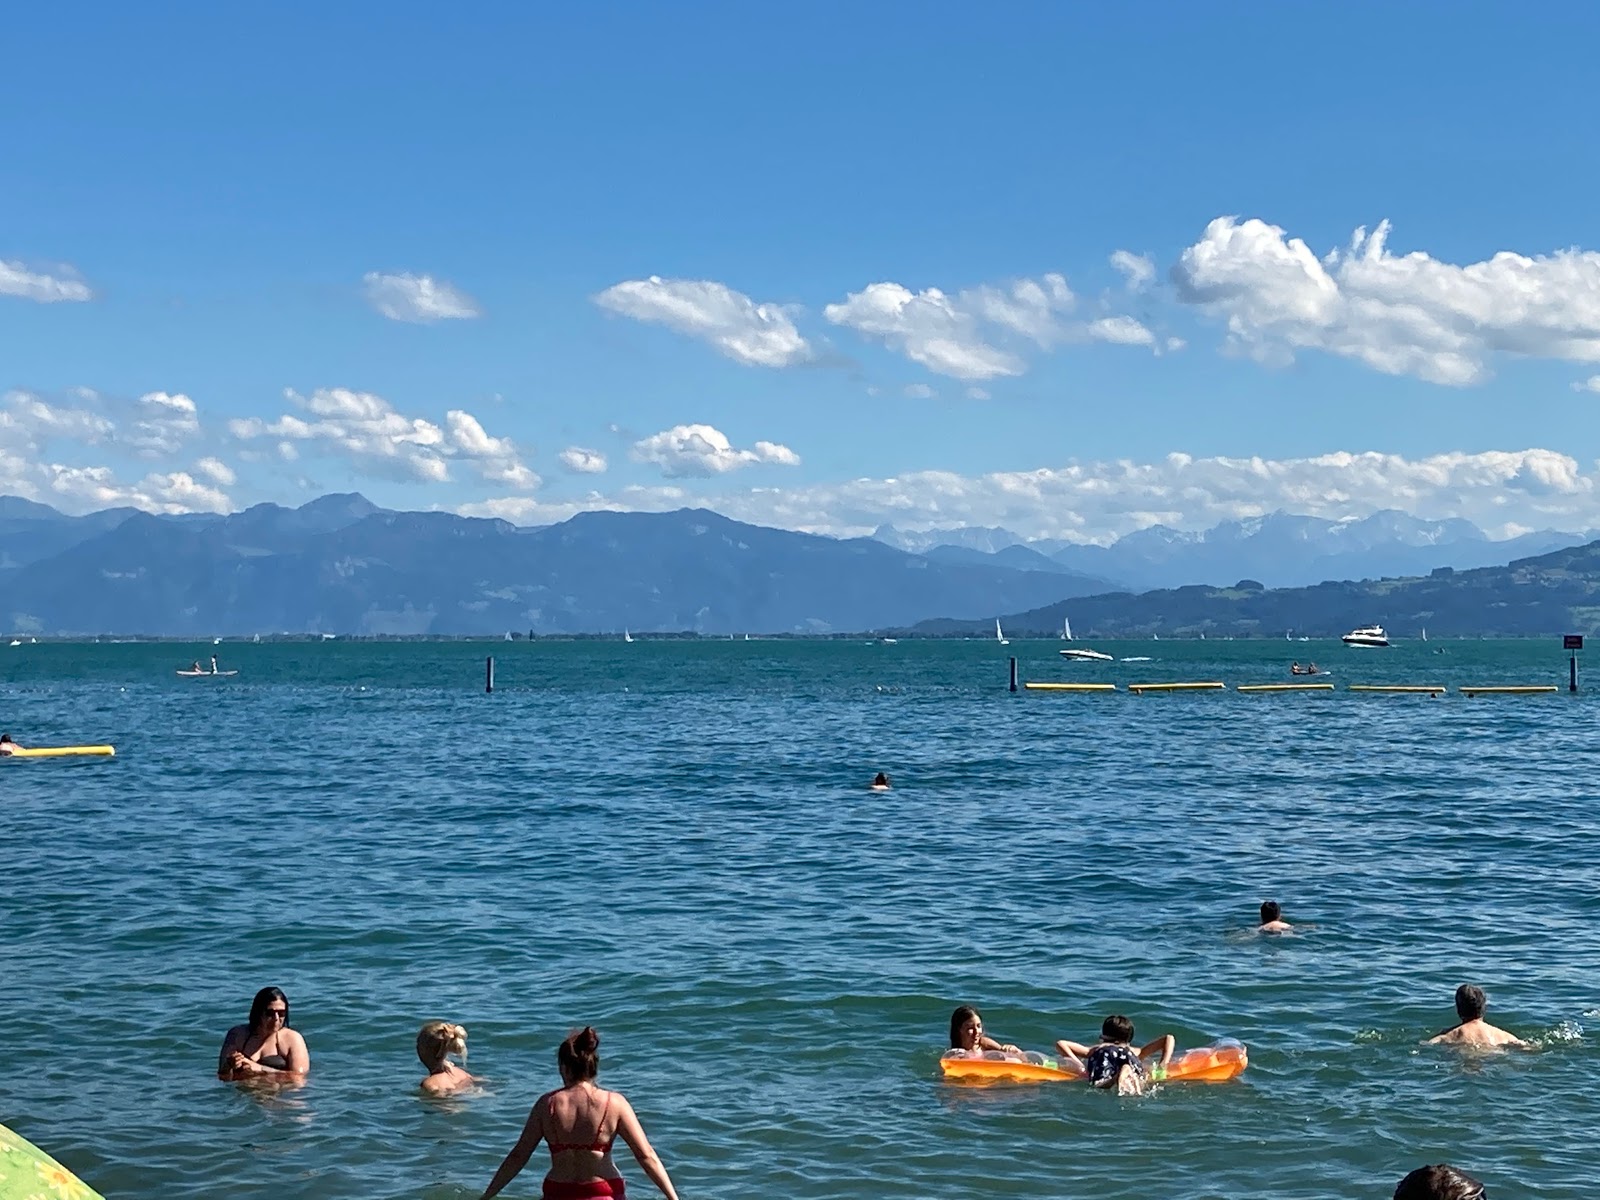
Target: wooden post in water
x=1013, y=674
x=1572, y=643
x=488, y=674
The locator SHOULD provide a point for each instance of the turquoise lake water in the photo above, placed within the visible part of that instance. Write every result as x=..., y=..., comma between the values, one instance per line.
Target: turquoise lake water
x=674, y=841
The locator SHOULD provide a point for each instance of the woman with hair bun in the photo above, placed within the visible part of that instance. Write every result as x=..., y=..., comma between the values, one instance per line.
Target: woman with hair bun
x=581, y=1120
x=436, y=1041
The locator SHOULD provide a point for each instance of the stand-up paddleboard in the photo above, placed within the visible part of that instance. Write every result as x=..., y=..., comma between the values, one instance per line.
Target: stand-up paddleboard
x=1221, y=1060
x=27, y=1171
x=61, y=752
x=206, y=674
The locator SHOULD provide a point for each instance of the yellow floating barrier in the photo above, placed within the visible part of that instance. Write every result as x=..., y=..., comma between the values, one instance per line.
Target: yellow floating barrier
x=1177, y=687
x=1519, y=690
x=1424, y=688
x=1284, y=687
x=1070, y=687
x=63, y=751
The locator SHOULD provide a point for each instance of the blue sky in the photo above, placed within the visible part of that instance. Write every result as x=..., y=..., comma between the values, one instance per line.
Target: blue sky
x=1055, y=267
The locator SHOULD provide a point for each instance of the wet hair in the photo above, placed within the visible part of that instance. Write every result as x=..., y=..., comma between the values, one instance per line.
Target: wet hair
x=579, y=1055
x=5, y=737
x=1271, y=911
x=959, y=1018
x=880, y=780
x=258, y=1006
x=1470, y=1002
x=1117, y=1028
x=439, y=1038
x=1439, y=1182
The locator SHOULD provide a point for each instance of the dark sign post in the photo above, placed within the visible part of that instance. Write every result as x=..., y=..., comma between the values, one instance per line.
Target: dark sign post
x=1572, y=642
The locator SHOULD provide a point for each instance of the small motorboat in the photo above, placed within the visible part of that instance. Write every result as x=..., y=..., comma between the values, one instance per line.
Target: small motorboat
x=1079, y=654
x=1367, y=635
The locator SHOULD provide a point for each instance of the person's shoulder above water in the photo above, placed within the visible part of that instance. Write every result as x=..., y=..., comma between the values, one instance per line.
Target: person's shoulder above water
x=966, y=1033
x=264, y=1046
x=1473, y=1030
x=1272, y=918
x=7, y=746
x=436, y=1041
x=1440, y=1181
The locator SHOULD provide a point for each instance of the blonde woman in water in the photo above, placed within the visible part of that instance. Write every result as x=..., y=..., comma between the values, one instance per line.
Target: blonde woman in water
x=436, y=1041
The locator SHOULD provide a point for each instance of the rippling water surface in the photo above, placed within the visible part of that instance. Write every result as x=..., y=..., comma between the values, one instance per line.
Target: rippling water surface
x=674, y=841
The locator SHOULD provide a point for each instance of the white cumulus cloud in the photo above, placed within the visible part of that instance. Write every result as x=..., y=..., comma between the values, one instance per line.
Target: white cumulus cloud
x=579, y=461
x=705, y=450
x=760, y=335
x=419, y=299
x=40, y=286
x=365, y=428
x=1122, y=331
x=980, y=333
x=29, y=422
x=217, y=471
x=97, y=487
x=1139, y=270
x=164, y=421
x=928, y=327
x=1503, y=492
x=1405, y=314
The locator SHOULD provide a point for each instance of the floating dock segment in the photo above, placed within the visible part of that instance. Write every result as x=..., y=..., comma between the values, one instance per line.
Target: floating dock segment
x=63, y=751
x=1176, y=687
x=1070, y=687
x=1284, y=687
x=1424, y=688
x=1520, y=690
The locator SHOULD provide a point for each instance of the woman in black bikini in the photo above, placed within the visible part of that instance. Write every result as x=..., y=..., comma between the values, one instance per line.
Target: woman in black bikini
x=265, y=1046
x=581, y=1120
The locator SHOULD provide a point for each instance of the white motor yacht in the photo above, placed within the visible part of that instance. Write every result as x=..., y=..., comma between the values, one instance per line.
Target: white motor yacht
x=1076, y=654
x=1367, y=635
x=1086, y=656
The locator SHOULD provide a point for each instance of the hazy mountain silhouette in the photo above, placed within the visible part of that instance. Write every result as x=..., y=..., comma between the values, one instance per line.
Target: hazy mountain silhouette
x=1279, y=550
x=342, y=565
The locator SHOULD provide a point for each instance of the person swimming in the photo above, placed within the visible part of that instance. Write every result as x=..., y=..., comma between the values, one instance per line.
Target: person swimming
x=1272, y=918
x=1440, y=1181
x=580, y=1163
x=966, y=1033
x=265, y=1045
x=7, y=746
x=436, y=1041
x=1113, y=1063
x=880, y=782
x=1473, y=1030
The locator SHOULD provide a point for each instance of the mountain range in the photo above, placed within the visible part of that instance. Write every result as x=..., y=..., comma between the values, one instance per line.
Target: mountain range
x=342, y=565
x=1280, y=550
x=1550, y=594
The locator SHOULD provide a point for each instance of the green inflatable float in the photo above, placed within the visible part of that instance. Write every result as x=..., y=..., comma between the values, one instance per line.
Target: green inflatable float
x=28, y=1173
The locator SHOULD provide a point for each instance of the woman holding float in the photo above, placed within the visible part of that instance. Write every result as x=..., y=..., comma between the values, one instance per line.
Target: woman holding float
x=581, y=1120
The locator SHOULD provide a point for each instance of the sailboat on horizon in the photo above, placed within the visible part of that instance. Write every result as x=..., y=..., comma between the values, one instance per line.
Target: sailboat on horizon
x=626, y=636
x=998, y=636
